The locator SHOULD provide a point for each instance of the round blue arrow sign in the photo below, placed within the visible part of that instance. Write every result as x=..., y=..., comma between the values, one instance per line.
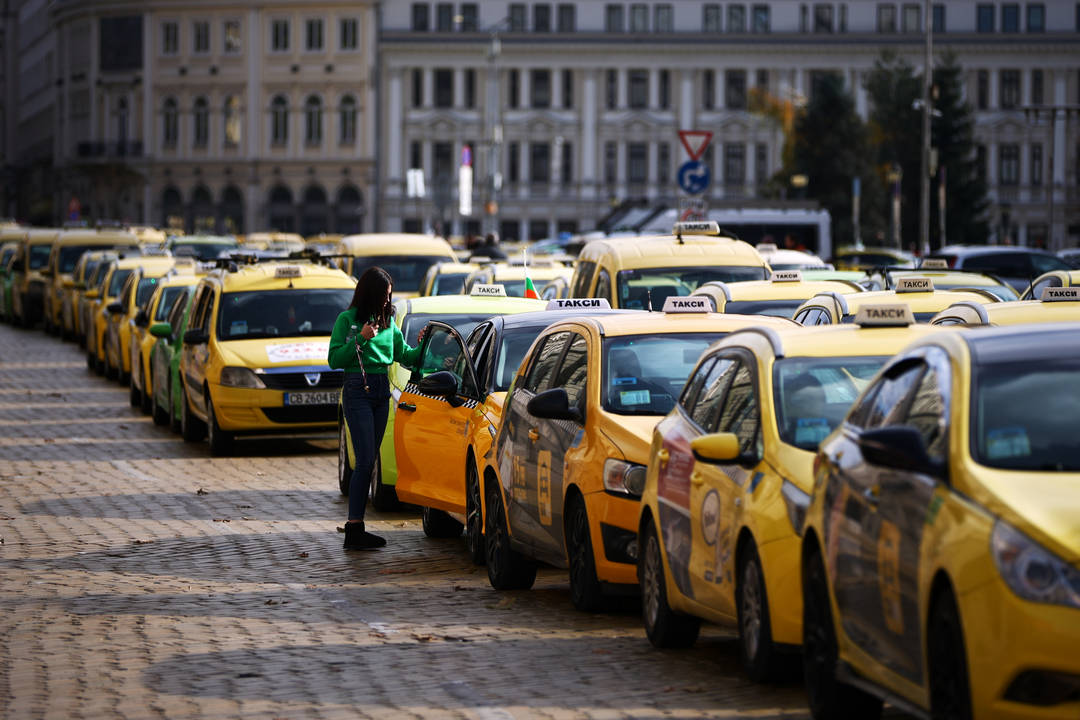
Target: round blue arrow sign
x=694, y=177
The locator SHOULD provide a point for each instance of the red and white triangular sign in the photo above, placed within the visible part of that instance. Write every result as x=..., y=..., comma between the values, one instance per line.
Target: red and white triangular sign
x=695, y=142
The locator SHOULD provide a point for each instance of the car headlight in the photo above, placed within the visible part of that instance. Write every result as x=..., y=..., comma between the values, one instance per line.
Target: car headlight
x=241, y=377
x=624, y=477
x=1031, y=571
x=797, y=503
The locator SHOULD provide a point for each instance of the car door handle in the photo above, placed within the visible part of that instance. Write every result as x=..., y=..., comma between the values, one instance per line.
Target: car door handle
x=870, y=495
x=697, y=478
x=534, y=434
x=406, y=406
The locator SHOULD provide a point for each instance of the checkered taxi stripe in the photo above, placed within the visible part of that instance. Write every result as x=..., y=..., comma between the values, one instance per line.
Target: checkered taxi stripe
x=413, y=389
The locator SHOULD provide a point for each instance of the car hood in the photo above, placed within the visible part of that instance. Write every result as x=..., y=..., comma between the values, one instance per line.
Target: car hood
x=631, y=434
x=276, y=353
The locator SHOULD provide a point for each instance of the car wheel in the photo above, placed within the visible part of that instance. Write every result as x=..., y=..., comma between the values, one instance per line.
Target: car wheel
x=585, y=590
x=344, y=470
x=91, y=361
x=146, y=398
x=383, y=497
x=756, y=649
x=828, y=697
x=108, y=371
x=161, y=414
x=474, y=516
x=221, y=441
x=437, y=524
x=134, y=396
x=950, y=692
x=664, y=627
x=507, y=569
x=191, y=428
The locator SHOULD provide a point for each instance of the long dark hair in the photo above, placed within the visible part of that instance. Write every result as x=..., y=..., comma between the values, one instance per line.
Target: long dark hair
x=369, y=298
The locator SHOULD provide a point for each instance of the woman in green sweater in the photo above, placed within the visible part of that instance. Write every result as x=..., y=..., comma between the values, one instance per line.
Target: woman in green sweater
x=367, y=330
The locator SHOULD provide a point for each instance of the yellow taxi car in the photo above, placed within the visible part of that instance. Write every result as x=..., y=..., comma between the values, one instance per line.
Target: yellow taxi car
x=140, y=275
x=918, y=293
x=1057, y=304
x=177, y=282
x=445, y=278
x=406, y=257
x=283, y=242
x=1054, y=278
x=254, y=354
x=9, y=249
x=85, y=299
x=512, y=276
x=937, y=269
x=941, y=554
x=641, y=273
x=71, y=320
x=780, y=295
x=869, y=258
x=563, y=482
x=29, y=281
x=730, y=475
x=462, y=382
x=63, y=259
x=555, y=289
x=462, y=313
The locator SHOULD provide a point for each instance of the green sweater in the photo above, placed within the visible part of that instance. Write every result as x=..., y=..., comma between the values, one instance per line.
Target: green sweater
x=388, y=346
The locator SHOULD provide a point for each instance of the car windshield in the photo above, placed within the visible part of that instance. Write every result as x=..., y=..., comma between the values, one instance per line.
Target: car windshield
x=168, y=297
x=69, y=257
x=775, y=308
x=98, y=278
x=449, y=284
x=1020, y=415
x=1003, y=292
x=39, y=256
x=643, y=374
x=462, y=322
x=280, y=313
x=512, y=348
x=117, y=281
x=145, y=290
x=407, y=271
x=637, y=288
x=811, y=395
x=202, y=250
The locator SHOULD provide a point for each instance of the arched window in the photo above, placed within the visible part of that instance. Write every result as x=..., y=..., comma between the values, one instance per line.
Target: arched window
x=172, y=207
x=350, y=210
x=279, y=120
x=232, y=210
x=201, y=116
x=169, y=123
x=121, y=124
x=313, y=120
x=348, y=120
x=202, y=210
x=282, y=210
x=315, y=212
x=232, y=121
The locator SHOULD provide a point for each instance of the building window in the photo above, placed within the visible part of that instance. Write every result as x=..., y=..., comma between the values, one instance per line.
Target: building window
x=980, y=162
x=1010, y=18
x=566, y=166
x=613, y=18
x=910, y=21
x=804, y=21
x=201, y=117
x=637, y=163
x=517, y=17
x=1009, y=164
x=314, y=34
x=279, y=121
x=170, y=38
x=513, y=163
x=638, y=86
x=663, y=163
x=1010, y=89
x=170, y=125
x=279, y=36
x=200, y=37
x=938, y=17
x=735, y=89
x=984, y=18
x=1036, y=164
x=514, y=94
x=347, y=120
x=442, y=161
x=567, y=18
x=842, y=24
x=664, y=19
x=761, y=163
x=734, y=164
x=708, y=90
x=313, y=113
x=711, y=18
x=639, y=18
x=232, y=121
x=416, y=160
x=232, y=41
x=823, y=18
x=1036, y=87
x=664, y=91
x=469, y=17
x=444, y=17
x=540, y=163
x=611, y=88
x=470, y=88
x=541, y=18
x=348, y=29
x=610, y=164
x=567, y=89
x=736, y=18
x=1036, y=17
x=540, y=87
x=421, y=17
x=982, y=92
x=444, y=88
x=762, y=79
x=886, y=18
x=760, y=19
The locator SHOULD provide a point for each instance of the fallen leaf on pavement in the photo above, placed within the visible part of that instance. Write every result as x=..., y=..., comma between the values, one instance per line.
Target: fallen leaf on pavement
x=303, y=555
x=200, y=491
x=397, y=571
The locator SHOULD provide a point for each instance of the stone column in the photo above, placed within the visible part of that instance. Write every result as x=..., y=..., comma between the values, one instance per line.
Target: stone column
x=588, y=135
x=394, y=151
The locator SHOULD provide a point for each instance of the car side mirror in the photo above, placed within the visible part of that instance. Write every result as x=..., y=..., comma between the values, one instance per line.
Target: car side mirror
x=443, y=384
x=196, y=337
x=115, y=308
x=553, y=404
x=92, y=294
x=142, y=319
x=716, y=448
x=898, y=446
x=69, y=284
x=161, y=330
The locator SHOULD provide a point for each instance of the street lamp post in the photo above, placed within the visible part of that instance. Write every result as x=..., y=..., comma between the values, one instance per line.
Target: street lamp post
x=924, y=175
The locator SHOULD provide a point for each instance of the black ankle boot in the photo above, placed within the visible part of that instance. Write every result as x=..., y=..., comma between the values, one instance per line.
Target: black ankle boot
x=356, y=538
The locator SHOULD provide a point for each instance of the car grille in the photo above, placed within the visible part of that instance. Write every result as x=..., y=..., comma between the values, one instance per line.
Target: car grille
x=302, y=414
x=329, y=380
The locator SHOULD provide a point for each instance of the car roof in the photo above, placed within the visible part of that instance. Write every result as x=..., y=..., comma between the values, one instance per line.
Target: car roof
x=96, y=237
x=839, y=340
x=1032, y=311
x=517, y=272
x=657, y=323
x=198, y=239
x=447, y=304
x=396, y=244
x=1023, y=343
x=919, y=302
x=972, y=278
x=670, y=251
x=543, y=318
x=769, y=290
x=42, y=236
x=965, y=250
x=149, y=263
x=263, y=276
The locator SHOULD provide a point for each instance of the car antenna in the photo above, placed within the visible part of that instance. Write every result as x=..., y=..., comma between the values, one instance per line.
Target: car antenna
x=648, y=296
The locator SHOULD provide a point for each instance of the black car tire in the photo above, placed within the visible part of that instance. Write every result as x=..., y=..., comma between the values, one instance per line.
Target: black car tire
x=507, y=569
x=343, y=468
x=664, y=627
x=950, y=689
x=383, y=497
x=438, y=524
x=161, y=414
x=221, y=441
x=759, y=655
x=191, y=428
x=585, y=590
x=134, y=396
x=474, y=515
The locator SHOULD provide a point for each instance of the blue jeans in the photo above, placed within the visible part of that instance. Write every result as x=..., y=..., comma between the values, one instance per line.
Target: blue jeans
x=365, y=413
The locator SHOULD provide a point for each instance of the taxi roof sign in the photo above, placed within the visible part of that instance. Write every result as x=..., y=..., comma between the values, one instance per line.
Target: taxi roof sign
x=698, y=227
x=691, y=304
x=786, y=276
x=882, y=315
x=914, y=284
x=288, y=271
x=1060, y=294
x=934, y=264
x=578, y=304
x=485, y=290
x=767, y=247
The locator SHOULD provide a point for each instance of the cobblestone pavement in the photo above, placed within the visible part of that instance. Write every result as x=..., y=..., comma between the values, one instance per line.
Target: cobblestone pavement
x=142, y=578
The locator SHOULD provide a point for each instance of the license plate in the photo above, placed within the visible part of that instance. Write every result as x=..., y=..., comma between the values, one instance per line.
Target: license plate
x=311, y=398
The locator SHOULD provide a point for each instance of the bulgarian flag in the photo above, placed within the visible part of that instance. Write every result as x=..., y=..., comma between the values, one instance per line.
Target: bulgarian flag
x=530, y=289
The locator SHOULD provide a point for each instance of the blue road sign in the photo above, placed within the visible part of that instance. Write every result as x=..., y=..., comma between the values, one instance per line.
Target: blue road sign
x=694, y=177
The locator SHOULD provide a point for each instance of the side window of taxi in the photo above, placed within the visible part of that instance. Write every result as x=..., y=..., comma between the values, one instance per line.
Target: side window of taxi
x=693, y=386
x=812, y=316
x=176, y=312
x=479, y=345
x=542, y=368
x=128, y=289
x=582, y=279
x=573, y=371
x=927, y=413
x=740, y=412
x=603, y=285
x=884, y=403
x=715, y=386
x=200, y=313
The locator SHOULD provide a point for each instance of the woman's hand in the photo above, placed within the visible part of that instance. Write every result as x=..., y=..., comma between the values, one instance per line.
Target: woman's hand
x=421, y=334
x=369, y=330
